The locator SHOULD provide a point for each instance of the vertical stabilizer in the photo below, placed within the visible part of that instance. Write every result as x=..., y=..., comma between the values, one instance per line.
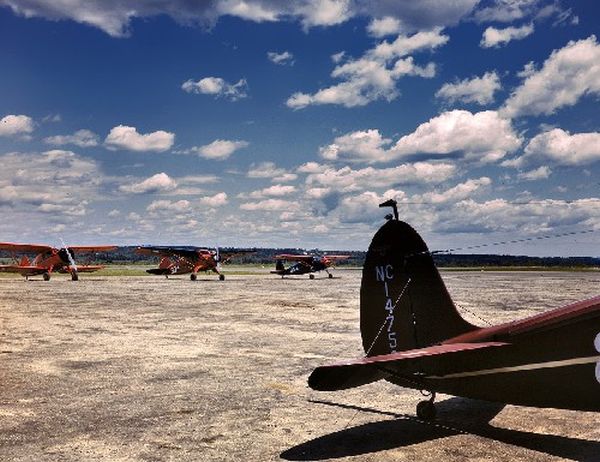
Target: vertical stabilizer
x=404, y=303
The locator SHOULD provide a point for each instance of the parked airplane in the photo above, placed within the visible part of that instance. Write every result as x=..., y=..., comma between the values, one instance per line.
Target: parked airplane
x=189, y=260
x=305, y=264
x=50, y=259
x=414, y=337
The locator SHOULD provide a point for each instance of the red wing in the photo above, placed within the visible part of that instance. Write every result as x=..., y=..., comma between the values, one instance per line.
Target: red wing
x=82, y=268
x=294, y=257
x=336, y=257
x=33, y=248
x=226, y=256
x=91, y=248
x=25, y=270
x=366, y=370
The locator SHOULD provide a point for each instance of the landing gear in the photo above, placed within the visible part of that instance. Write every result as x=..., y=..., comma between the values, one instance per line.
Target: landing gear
x=221, y=277
x=330, y=275
x=426, y=409
x=311, y=276
x=74, y=277
x=193, y=277
x=46, y=276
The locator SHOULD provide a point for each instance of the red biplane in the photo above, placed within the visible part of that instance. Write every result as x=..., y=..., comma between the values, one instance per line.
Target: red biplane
x=189, y=260
x=414, y=337
x=49, y=259
x=305, y=264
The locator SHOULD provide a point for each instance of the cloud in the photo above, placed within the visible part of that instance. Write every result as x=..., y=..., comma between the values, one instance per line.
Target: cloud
x=284, y=58
x=221, y=149
x=115, y=16
x=380, y=27
x=277, y=190
x=218, y=87
x=495, y=38
x=83, y=138
x=457, y=193
x=509, y=11
x=217, y=200
x=347, y=180
x=561, y=148
x=567, y=75
x=270, y=170
x=11, y=125
x=269, y=205
x=364, y=207
x=540, y=173
x=127, y=138
x=374, y=76
x=168, y=206
x=155, y=183
x=53, y=181
x=478, y=90
x=482, y=136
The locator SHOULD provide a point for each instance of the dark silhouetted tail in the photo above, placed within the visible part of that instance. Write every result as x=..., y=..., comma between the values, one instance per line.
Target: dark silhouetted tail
x=404, y=303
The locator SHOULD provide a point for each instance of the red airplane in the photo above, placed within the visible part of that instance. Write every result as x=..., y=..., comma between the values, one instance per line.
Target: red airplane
x=50, y=259
x=186, y=260
x=306, y=264
x=414, y=337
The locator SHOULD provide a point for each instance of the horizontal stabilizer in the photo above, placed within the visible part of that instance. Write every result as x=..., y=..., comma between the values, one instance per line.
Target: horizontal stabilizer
x=370, y=369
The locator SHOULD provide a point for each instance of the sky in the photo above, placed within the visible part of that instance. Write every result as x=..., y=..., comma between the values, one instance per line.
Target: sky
x=260, y=123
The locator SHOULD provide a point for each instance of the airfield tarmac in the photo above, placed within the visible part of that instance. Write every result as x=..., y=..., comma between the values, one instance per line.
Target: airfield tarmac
x=143, y=368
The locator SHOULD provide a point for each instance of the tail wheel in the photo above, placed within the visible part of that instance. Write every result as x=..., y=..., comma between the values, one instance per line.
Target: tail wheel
x=221, y=277
x=193, y=277
x=46, y=276
x=426, y=409
x=330, y=276
x=311, y=276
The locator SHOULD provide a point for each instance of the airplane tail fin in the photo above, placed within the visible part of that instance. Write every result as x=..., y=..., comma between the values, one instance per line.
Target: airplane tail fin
x=279, y=266
x=404, y=303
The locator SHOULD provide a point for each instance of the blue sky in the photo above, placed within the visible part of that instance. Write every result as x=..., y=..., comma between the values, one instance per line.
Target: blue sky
x=264, y=123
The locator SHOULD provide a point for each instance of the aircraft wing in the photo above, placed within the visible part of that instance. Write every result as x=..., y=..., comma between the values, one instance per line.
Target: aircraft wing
x=294, y=257
x=83, y=268
x=370, y=369
x=91, y=248
x=228, y=255
x=166, y=251
x=33, y=248
x=24, y=270
x=336, y=257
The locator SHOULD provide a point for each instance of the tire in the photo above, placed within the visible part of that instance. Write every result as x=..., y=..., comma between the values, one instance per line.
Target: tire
x=46, y=276
x=221, y=277
x=193, y=277
x=311, y=276
x=426, y=411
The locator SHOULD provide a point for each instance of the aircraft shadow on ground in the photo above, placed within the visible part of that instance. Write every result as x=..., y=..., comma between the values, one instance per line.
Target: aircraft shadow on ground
x=455, y=416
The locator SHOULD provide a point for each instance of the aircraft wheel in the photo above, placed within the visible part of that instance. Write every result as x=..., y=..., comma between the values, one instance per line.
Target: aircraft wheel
x=74, y=277
x=426, y=410
x=46, y=276
x=311, y=276
x=330, y=276
x=221, y=277
x=193, y=277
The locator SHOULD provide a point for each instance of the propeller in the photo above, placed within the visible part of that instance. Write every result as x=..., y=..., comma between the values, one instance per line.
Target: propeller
x=218, y=258
x=72, y=264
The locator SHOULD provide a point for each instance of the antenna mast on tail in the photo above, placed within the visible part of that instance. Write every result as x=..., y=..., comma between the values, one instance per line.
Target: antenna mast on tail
x=394, y=205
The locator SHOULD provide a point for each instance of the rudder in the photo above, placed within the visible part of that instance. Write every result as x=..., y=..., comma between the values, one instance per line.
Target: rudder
x=404, y=303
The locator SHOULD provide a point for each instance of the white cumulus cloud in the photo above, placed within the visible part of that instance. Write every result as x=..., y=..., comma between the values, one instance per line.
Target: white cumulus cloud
x=168, y=206
x=11, y=125
x=478, y=90
x=493, y=37
x=284, y=58
x=83, y=138
x=374, y=76
x=217, y=200
x=567, y=75
x=217, y=87
x=128, y=138
x=156, y=183
x=560, y=147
